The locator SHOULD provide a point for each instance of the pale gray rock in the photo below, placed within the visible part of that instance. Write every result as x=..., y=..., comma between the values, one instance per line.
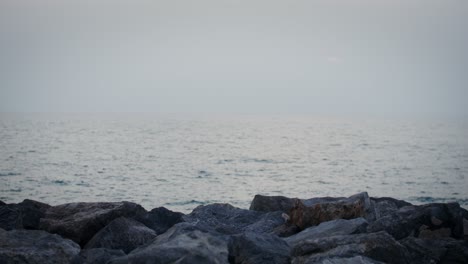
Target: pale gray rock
x=328, y=229
x=35, y=247
x=122, y=233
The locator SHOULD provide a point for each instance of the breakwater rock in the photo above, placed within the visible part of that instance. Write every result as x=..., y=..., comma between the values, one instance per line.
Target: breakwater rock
x=276, y=229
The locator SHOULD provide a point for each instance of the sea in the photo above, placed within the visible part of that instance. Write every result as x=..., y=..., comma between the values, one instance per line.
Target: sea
x=181, y=161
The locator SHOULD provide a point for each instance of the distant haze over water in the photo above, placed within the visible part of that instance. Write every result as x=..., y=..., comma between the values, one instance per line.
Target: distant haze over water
x=182, y=161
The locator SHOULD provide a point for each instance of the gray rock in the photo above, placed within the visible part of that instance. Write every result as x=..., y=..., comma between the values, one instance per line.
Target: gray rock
x=376, y=246
x=161, y=219
x=22, y=215
x=431, y=220
x=184, y=243
x=35, y=246
x=226, y=219
x=315, y=211
x=122, y=233
x=97, y=255
x=447, y=250
x=253, y=248
x=264, y=203
x=386, y=205
x=350, y=260
x=328, y=229
x=81, y=221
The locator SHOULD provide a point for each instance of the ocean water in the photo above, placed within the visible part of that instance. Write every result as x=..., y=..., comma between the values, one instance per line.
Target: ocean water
x=182, y=161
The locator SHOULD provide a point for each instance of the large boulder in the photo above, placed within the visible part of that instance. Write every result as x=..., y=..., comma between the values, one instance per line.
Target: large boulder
x=348, y=260
x=315, y=211
x=81, y=221
x=35, y=247
x=446, y=250
x=430, y=221
x=161, y=219
x=376, y=246
x=227, y=219
x=97, y=255
x=122, y=233
x=328, y=229
x=24, y=215
x=253, y=248
x=264, y=203
x=184, y=243
x=386, y=205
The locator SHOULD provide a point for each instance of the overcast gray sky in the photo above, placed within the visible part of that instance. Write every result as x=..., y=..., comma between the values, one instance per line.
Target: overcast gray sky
x=399, y=57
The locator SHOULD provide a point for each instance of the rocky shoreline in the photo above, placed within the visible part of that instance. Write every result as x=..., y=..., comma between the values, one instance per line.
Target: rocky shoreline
x=276, y=229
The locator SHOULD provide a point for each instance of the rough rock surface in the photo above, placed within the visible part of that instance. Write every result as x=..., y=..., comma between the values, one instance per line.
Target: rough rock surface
x=376, y=246
x=254, y=248
x=35, y=246
x=227, y=219
x=81, y=221
x=22, y=215
x=97, y=255
x=313, y=212
x=122, y=233
x=431, y=220
x=328, y=229
x=161, y=219
x=436, y=250
x=264, y=203
x=386, y=205
x=183, y=244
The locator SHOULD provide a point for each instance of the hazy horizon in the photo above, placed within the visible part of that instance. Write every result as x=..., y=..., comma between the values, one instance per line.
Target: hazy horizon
x=360, y=57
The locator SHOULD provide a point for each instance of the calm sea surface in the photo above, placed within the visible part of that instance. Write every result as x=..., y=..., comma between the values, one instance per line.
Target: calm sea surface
x=181, y=161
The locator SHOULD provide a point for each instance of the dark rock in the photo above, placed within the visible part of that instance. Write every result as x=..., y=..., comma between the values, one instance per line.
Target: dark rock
x=264, y=203
x=386, y=205
x=184, y=243
x=252, y=248
x=431, y=220
x=96, y=255
x=161, y=219
x=348, y=260
x=2, y=203
x=226, y=219
x=328, y=229
x=35, y=246
x=22, y=215
x=315, y=211
x=81, y=221
x=286, y=230
x=122, y=233
x=448, y=250
x=10, y=217
x=376, y=246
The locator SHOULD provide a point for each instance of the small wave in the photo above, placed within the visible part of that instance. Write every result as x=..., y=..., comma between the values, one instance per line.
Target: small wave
x=60, y=182
x=191, y=202
x=9, y=174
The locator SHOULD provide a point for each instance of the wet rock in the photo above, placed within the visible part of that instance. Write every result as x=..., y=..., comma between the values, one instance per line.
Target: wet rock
x=252, y=248
x=2, y=203
x=184, y=243
x=315, y=211
x=376, y=246
x=264, y=203
x=122, y=233
x=22, y=215
x=227, y=219
x=97, y=255
x=161, y=219
x=35, y=246
x=423, y=251
x=81, y=221
x=328, y=229
x=431, y=220
x=386, y=205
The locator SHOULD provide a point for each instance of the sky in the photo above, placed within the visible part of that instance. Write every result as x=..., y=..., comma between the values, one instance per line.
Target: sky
x=399, y=57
